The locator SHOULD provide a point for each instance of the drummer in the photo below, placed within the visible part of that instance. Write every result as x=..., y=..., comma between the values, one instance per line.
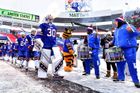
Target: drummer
x=125, y=38
x=84, y=55
x=105, y=44
x=94, y=43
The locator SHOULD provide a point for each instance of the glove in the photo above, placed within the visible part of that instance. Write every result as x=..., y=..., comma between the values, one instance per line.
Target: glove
x=74, y=55
x=30, y=47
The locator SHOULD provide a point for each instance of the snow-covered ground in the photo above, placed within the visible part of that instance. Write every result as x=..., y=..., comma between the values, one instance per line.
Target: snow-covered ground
x=14, y=81
x=105, y=85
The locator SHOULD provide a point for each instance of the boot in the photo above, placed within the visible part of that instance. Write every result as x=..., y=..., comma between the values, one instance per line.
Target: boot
x=97, y=77
x=115, y=76
x=68, y=67
x=137, y=85
x=36, y=69
x=85, y=73
x=108, y=73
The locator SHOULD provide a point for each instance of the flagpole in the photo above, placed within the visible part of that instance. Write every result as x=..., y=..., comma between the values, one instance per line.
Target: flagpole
x=124, y=12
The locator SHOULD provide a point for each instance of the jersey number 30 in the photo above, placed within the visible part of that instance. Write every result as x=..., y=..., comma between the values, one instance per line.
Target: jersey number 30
x=51, y=32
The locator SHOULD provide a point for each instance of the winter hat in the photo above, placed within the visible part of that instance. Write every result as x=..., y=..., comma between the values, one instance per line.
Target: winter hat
x=67, y=33
x=89, y=30
x=120, y=19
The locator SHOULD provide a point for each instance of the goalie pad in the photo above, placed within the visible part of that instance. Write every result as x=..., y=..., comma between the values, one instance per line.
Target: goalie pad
x=57, y=61
x=44, y=62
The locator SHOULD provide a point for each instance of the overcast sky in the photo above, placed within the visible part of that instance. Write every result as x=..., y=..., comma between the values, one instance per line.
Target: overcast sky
x=43, y=7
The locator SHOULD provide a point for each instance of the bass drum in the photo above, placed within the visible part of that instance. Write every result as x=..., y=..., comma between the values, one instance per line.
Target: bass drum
x=114, y=54
x=138, y=52
x=84, y=52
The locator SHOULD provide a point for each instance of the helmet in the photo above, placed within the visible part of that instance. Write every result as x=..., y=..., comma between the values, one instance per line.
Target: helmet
x=33, y=30
x=49, y=18
x=22, y=33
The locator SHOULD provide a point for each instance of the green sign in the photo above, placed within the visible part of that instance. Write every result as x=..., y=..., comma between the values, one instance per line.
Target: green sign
x=19, y=15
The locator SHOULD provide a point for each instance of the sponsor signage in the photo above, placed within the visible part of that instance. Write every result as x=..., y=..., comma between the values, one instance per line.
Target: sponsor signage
x=85, y=14
x=19, y=15
x=78, y=14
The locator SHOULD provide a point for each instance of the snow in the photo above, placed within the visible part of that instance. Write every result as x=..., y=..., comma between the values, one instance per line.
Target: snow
x=105, y=85
x=14, y=81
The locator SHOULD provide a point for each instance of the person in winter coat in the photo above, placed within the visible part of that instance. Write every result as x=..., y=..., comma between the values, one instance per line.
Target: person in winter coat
x=94, y=44
x=125, y=38
x=105, y=44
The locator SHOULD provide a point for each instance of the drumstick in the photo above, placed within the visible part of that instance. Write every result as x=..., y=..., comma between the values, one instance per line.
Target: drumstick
x=96, y=30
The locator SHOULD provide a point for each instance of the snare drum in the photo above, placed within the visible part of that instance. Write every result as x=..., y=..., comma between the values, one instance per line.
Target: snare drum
x=114, y=54
x=84, y=52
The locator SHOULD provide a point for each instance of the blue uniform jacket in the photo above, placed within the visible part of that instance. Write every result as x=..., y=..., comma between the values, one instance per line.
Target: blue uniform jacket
x=124, y=38
x=93, y=41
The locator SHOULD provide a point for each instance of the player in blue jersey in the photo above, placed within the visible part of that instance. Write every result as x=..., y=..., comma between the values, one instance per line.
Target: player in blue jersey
x=22, y=47
x=0, y=52
x=32, y=53
x=4, y=49
x=9, y=52
x=48, y=37
x=14, y=50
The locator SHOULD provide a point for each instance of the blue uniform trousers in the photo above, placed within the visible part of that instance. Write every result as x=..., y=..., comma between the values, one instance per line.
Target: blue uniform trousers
x=130, y=56
x=96, y=61
x=87, y=63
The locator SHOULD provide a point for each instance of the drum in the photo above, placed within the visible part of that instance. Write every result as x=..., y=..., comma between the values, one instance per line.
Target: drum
x=114, y=54
x=84, y=52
